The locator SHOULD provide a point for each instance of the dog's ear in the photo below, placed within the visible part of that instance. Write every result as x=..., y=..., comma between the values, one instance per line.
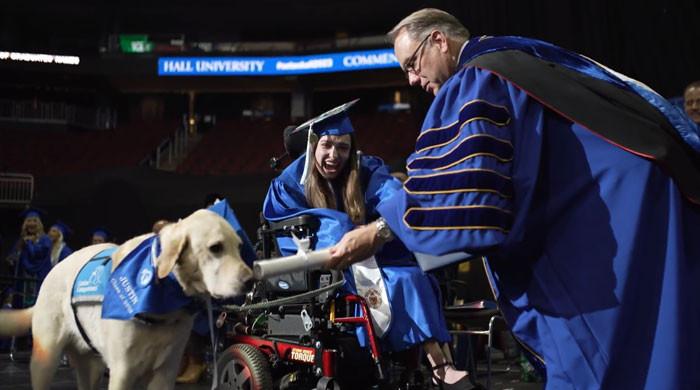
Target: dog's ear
x=172, y=242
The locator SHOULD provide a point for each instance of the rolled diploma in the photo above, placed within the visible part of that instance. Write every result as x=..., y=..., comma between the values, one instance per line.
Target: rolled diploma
x=264, y=269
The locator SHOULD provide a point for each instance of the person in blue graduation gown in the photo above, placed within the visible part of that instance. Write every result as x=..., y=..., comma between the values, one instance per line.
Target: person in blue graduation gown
x=58, y=233
x=100, y=235
x=343, y=189
x=578, y=184
x=31, y=255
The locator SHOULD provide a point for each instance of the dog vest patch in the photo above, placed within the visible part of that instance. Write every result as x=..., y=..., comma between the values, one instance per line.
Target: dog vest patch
x=134, y=288
x=89, y=285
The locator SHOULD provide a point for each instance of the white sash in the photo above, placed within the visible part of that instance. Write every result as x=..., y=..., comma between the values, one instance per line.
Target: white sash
x=370, y=285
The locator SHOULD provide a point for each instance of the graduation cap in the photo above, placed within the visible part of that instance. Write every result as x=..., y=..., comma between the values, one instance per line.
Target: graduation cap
x=332, y=122
x=297, y=139
x=33, y=212
x=101, y=232
x=63, y=228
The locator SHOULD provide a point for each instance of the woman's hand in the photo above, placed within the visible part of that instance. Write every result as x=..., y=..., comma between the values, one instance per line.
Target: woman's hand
x=355, y=246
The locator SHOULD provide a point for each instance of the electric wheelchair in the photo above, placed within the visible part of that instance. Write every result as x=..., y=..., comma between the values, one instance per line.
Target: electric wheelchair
x=296, y=332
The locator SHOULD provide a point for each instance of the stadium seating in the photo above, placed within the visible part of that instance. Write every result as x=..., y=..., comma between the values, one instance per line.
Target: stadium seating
x=245, y=146
x=45, y=152
x=240, y=146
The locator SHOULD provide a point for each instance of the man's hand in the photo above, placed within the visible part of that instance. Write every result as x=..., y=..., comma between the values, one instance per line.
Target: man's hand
x=356, y=245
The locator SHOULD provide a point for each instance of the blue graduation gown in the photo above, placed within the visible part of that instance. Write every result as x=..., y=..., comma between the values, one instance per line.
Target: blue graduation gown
x=65, y=252
x=593, y=249
x=35, y=258
x=413, y=295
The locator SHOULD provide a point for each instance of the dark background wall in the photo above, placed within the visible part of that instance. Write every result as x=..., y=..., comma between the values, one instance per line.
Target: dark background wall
x=653, y=40
x=129, y=201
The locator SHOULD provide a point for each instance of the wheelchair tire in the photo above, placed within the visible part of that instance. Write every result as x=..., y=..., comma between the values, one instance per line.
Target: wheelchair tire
x=326, y=383
x=243, y=367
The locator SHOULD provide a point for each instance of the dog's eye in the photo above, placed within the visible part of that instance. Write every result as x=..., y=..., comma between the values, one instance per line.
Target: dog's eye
x=216, y=248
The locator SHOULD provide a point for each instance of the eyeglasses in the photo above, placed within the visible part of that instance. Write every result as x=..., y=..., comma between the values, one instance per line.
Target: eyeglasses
x=410, y=63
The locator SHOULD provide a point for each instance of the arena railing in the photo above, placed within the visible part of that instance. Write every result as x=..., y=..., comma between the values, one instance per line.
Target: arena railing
x=16, y=188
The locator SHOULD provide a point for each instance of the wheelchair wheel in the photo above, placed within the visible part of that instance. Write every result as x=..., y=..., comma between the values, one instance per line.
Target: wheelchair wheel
x=326, y=383
x=243, y=367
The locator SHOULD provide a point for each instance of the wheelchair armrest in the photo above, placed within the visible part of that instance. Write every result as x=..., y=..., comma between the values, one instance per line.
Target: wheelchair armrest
x=300, y=220
x=472, y=306
x=471, y=311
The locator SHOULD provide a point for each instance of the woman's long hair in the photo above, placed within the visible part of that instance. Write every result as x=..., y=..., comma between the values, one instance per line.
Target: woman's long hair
x=319, y=191
x=39, y=228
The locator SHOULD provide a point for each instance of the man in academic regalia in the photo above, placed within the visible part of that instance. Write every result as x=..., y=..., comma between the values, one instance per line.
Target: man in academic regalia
x=691, y=101
x=579, y=185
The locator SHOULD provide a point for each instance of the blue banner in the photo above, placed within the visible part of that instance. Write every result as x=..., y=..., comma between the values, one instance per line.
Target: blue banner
x=277, y=66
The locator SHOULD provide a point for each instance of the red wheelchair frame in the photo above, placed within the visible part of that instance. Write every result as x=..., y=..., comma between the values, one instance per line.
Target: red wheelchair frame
x=313, y=351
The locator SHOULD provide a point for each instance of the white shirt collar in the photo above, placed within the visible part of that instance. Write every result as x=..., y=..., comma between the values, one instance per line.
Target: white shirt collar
x=461, y=50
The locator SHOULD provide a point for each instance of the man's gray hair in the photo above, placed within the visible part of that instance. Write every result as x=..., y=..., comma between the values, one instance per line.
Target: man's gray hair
x=422, y=22
x=694, y=84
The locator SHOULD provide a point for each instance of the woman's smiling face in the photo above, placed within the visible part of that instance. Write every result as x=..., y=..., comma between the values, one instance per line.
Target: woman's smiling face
x=332, y=153
x=54, y=234
x=31, y=225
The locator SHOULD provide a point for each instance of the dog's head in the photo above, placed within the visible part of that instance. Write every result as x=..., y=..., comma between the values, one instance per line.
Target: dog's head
x=203, y=252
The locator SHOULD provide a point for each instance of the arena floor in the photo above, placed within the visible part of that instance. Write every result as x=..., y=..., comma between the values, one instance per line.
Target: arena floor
x=15, y=376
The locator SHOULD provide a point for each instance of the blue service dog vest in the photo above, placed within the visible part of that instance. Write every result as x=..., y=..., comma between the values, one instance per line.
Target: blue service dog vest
x=89, y=285
x=133, y=288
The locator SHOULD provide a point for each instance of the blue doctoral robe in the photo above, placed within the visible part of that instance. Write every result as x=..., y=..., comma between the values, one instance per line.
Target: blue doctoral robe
x=593, y=249
x=413, y=295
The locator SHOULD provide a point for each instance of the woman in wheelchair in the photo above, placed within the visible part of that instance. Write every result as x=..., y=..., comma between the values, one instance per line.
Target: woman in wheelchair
x=342, y=188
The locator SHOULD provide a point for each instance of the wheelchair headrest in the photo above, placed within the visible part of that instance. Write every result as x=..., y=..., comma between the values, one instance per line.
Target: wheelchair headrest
x=295, y=143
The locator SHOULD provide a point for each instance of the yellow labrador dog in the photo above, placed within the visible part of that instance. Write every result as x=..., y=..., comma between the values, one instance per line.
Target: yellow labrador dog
x=202, y=252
